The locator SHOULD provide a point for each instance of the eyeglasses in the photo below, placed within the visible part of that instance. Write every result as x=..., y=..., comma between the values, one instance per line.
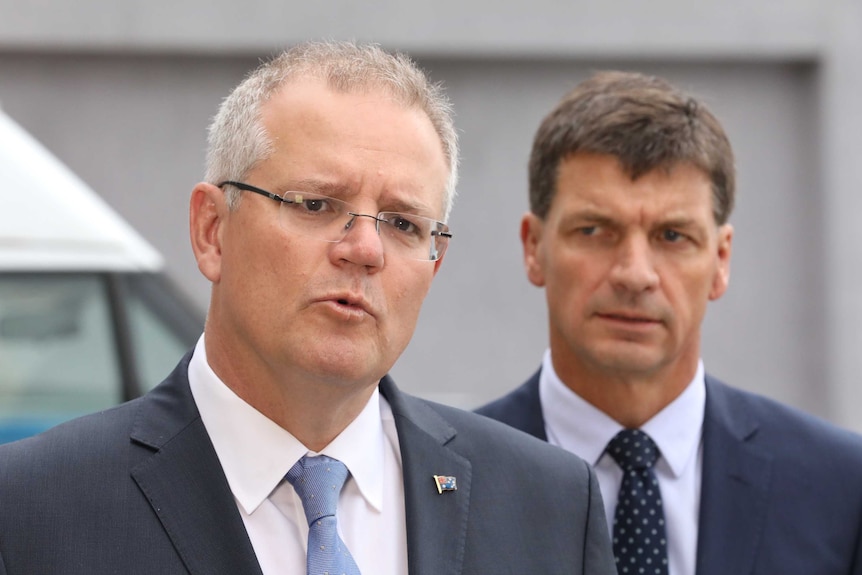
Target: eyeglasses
x=329, y=219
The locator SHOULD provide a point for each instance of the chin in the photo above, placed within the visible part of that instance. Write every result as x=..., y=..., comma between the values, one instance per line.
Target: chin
x=635, y=361
x=345, y=365
x=351, y=356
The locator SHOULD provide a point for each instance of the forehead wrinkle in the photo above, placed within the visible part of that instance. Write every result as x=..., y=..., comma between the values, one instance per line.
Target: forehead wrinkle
x=386, y=202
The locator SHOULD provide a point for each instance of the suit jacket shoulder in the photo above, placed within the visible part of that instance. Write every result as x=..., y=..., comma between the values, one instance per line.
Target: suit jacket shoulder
x=133, y=489
x=521, y=505
x=521, y=408
x=781, y=490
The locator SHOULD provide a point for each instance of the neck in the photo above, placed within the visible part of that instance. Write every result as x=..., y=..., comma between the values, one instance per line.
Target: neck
x=631, y=399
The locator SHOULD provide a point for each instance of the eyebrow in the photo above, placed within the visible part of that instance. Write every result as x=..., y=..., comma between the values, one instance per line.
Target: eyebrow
x=317, y=187
x=343, y=192
x=591, y=216
x=407, y=207
x=587, y=216
x=680, y=222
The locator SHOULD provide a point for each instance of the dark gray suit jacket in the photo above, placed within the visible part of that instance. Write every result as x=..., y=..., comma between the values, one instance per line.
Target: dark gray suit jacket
x=138, y=489
x=781, y=491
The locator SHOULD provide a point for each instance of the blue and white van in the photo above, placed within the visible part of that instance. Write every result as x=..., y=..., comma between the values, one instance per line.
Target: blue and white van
x=87, y=317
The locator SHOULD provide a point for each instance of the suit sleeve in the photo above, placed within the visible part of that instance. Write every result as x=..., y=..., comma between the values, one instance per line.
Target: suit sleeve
x=598, y=553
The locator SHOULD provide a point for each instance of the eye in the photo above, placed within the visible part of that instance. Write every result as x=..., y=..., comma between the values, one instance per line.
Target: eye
x=314, y=204
x=672, y=236
x=588, y=230
x=303, y=203
x=404, y=224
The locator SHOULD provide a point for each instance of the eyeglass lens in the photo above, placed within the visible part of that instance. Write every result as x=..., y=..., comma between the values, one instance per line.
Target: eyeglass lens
x=329, y=219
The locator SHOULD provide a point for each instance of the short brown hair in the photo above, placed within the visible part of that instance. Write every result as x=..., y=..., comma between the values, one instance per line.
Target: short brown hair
x=644, y=122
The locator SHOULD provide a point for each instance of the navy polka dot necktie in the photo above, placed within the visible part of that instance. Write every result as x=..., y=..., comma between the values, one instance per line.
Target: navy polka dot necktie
x=640, y=543
x=318, y=481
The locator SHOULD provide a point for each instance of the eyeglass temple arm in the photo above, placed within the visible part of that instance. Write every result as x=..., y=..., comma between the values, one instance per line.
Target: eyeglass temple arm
x=256, y=190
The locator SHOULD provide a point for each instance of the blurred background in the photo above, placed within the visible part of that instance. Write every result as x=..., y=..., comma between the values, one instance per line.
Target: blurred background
x=122, y=92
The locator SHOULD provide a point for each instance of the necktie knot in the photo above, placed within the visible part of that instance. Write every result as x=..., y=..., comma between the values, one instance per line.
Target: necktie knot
x=633, y=449
x=318, y=482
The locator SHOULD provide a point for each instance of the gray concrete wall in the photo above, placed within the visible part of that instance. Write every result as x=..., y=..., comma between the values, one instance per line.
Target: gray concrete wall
x=122, y=91
x=443, y=28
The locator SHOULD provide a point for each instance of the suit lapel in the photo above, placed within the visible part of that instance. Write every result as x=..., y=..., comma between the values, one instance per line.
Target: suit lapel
x=185, y=485
x=436, y=522
x=735, y=486
x=526, y=405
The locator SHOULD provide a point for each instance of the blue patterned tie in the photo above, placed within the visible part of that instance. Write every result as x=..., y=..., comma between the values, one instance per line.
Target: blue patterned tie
x=640, y=543
x=318, y=481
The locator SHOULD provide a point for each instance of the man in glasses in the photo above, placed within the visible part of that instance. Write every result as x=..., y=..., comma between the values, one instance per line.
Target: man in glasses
x=280, y=445
x=631, y=188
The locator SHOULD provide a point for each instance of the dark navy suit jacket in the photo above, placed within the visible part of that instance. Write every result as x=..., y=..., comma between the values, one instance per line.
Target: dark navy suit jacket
x=781, y=491
x=138, y=489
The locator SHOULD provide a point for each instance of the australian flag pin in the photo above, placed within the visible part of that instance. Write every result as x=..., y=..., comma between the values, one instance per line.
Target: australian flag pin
x=445, y=483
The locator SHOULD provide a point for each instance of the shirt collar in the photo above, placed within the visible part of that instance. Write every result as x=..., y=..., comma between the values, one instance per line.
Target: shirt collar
x=578, y=426
x=256, y=453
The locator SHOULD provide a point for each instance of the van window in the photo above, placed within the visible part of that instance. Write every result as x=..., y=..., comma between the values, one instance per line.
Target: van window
x=162, y=326
x=57, y=352
x=75, y=343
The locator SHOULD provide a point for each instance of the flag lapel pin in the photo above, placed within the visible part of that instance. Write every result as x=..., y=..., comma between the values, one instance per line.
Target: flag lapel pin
x=445, y=483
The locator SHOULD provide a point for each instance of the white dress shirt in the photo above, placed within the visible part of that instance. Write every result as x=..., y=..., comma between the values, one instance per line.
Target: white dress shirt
x=255, y=454
x=579, y=427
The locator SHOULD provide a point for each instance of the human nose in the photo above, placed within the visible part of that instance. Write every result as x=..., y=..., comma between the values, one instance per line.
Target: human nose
x=361, y=244
x=634, y=267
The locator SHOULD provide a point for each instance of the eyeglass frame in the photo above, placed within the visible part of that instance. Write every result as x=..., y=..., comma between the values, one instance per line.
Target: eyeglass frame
x=377, y=219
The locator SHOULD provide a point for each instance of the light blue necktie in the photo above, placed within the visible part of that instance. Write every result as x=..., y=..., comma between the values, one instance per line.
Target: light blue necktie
x=318, y=481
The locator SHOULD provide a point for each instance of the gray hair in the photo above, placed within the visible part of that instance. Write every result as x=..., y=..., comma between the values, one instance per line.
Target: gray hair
x=238, y=139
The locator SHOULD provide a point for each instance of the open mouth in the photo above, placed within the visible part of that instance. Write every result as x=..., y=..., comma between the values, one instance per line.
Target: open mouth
x=353, y=305
x=350, y=303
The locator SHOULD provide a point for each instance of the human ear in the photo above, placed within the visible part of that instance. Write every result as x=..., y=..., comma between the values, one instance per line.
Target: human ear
x=531, y=240
x=207, y=211
x=722, y=274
